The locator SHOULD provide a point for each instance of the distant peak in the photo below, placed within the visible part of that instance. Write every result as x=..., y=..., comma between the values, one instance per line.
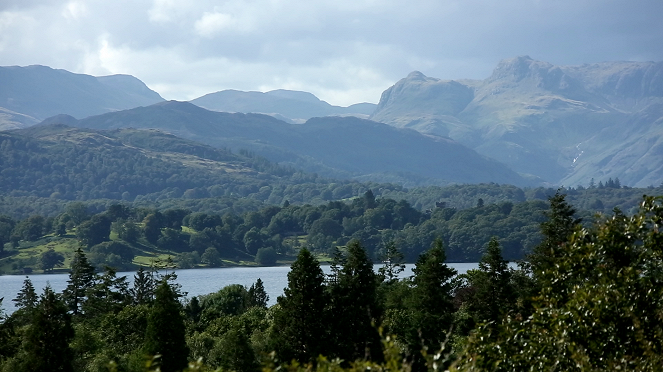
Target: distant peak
x=416, y=75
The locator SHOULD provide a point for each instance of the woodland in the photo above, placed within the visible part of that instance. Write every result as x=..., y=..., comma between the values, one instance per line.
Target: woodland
x=578, y=285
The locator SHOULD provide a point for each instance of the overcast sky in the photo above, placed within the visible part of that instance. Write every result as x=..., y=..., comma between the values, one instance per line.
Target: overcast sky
x=343, y=51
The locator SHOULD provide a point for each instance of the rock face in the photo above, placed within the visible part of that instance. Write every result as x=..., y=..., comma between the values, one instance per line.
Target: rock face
x=288, y=105
x=39, y=92
x=564, y=124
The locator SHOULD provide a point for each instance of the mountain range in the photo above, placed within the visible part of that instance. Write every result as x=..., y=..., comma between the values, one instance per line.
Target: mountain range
x=288, y=105
x=563, y=124
x=31, y=94
x=559, y=125
x=340, y=147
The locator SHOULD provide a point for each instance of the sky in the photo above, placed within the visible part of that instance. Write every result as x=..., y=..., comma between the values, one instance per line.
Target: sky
x=343, y=51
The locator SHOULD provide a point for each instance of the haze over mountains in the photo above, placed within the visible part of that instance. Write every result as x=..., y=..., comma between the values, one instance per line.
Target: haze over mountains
x=288, y=105
x=553, y=124
x=564, y=124
x=341, y=147
x=31, y=94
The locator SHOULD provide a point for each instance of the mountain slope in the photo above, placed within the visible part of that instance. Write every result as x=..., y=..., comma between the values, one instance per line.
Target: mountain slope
x=565, y=124
x=41, y=92
x=293, y=106
x=332, y=146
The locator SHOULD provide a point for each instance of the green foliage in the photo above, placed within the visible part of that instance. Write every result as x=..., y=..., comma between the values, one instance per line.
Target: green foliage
x=51, y=259
x=266, y=256
x=300, y=327
x=81, y=278
x=165, y=332
x=257, y=294
x=46, y=343
x=27, y=297
x=604, y=312
x=355, y=310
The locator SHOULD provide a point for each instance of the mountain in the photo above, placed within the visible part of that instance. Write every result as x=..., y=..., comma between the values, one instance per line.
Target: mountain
x=31, y=94
x=288, y=105
x=339, y=147
x=564, y=124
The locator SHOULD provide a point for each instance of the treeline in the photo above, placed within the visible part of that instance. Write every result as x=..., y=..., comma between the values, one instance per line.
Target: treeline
x=585, y=299
x=199, y=238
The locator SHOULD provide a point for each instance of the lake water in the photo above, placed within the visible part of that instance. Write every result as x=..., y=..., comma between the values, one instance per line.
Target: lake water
x=194, y=281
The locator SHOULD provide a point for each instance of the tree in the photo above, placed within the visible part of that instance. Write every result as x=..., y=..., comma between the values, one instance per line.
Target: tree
x=602, y=313
x=492, y=291
x=211, y=257
x=152, y=227
x=299, y=321
x=46, y=343
x=51, y=259
x=556, y=230
x=81, y=278
x=266, y=256
x=165, y=333
x=143, y=288
x=94, y=230
x=355, y=308
x=431, y=303
x=393, y=263
x=27, y=298
x=258, y=295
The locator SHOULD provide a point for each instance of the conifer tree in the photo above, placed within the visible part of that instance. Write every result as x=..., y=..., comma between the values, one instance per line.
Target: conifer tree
x=355, y=308
x=431, y=306
x=81, y=278
x=27, y=298
x=165, y=333
x=493, y=293
x=46, y=343
x=143, y=288
x=556, y=230
x=299, y=330
x=258, y=296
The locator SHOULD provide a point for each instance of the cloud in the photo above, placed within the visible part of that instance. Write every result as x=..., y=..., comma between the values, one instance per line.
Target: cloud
x=343, y=51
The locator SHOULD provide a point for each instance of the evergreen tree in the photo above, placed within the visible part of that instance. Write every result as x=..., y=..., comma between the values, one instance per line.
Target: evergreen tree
x=108, y=295
x=46, y=343
x=355, y=309
x=81, y=278
x=257, y=294
x=556, y=230
x=165, y=333
x=393, y=263
x=143, y=288
x=492, y=291
x=431, y=304
x=27, y=298
x=299, y=322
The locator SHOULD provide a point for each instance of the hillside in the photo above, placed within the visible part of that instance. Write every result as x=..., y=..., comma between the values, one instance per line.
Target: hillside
x=291, y=106
x=34, y=93
x=564, y=124
x=340, y=147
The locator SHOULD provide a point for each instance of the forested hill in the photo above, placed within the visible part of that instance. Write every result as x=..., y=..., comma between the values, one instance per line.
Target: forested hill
x=336, y=147
x=60, y=162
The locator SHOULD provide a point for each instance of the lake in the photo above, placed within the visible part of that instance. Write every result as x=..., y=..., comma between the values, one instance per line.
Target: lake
x=195, y=282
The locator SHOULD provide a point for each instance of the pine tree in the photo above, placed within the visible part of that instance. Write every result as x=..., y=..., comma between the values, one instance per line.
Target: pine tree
x=143, y=288
x=299, y=323
x=556, y=230
x=81, y=278
x=393, y=263
x=431, y=304
x=257, y=294
x=46, y=342
x=165, y=333
x=493, y=293
x=355, y=308
x=27, y=298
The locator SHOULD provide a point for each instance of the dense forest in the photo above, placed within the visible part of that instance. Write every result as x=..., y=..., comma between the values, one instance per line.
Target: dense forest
x=585, y=298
